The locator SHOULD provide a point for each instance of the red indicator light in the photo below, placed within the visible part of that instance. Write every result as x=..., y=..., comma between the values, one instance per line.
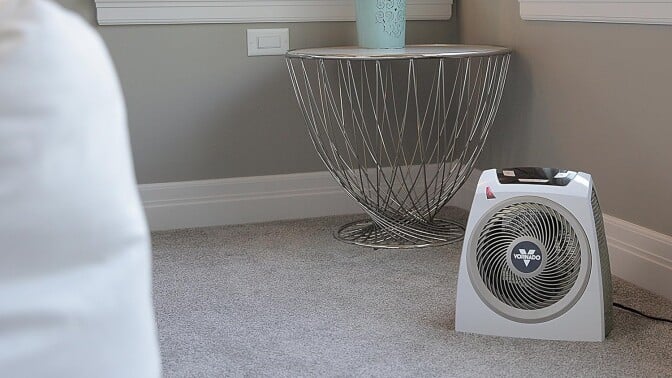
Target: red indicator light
x=489, y=194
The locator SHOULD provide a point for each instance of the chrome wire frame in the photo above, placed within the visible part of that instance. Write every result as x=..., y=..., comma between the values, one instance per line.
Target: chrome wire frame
x=399, y=144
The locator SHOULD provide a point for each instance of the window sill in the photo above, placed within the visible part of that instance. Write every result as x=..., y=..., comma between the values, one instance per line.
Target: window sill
x=616, y=11
x=124, y=12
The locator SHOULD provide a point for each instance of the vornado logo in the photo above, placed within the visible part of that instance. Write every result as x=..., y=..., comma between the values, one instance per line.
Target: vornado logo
x=526, y=256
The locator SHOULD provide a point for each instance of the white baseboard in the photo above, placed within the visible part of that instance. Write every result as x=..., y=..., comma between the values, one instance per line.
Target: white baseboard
x=640, y=255
x=243, y=200
x=255, y=199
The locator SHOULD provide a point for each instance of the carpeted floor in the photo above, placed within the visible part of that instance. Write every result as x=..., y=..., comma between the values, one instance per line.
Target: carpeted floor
x=286, y=299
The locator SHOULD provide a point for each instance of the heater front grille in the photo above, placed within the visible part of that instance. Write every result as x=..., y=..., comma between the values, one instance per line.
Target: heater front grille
x=530, y=260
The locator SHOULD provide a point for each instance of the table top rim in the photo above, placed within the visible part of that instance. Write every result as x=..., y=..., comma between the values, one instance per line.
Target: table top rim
x=422, y=51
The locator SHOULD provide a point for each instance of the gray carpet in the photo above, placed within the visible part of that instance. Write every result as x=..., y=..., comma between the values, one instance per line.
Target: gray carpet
x=286, y=299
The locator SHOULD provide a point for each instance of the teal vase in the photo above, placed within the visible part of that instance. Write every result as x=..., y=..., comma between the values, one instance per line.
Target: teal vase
x=381, y=24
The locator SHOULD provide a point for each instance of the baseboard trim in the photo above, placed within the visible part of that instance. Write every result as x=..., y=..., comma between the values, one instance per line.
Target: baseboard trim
x=640, y=255
x=243, y=200
x=255, y=199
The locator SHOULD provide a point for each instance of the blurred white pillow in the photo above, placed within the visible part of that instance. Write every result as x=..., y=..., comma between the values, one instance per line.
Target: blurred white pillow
x=75, y=279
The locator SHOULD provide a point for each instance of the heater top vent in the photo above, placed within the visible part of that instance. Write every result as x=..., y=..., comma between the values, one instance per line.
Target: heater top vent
x=535, y=176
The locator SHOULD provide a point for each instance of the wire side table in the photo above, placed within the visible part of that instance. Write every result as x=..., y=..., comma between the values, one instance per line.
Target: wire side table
x=400, y=130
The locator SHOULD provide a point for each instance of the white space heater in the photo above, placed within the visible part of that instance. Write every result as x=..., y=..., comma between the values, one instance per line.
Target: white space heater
x=535, y=262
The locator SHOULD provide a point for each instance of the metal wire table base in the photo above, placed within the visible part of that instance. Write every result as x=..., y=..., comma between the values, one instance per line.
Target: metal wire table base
x=367, y=233
x=399, y=130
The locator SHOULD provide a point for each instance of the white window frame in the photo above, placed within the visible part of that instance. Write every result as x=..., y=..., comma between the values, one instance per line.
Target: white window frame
x=616, y=11
x=124, y=12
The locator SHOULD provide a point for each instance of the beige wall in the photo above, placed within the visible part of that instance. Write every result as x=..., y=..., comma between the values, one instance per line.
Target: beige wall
x=200, y=108
x=587, y=96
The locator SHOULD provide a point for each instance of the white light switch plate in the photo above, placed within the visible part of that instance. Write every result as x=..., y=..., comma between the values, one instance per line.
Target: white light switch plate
x=267, y=41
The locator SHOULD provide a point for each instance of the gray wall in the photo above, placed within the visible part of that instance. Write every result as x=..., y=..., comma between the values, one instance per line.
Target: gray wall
x=200, y=108
x=594, y=97
x=587, y=96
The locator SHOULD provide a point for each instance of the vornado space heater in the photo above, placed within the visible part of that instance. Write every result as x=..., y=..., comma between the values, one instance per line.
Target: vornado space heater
x=535, y=262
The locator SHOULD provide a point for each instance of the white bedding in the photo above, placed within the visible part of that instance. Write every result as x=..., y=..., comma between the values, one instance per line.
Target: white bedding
x=75, y=290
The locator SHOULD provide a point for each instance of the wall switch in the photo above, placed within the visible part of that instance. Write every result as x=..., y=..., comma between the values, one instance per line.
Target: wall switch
x=267, y=41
